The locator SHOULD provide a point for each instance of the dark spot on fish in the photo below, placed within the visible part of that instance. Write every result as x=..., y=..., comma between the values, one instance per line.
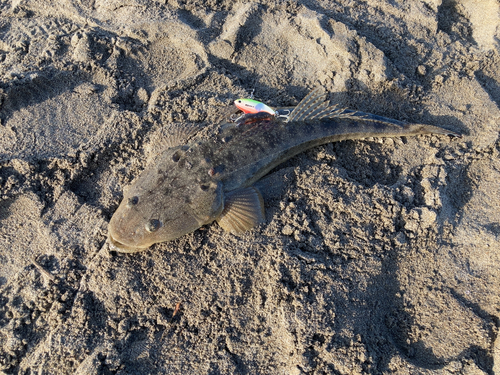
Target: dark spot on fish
x=153, y=225
x=133, y=201
x=226, y=139
x=176, y=157
x=161, y=180
x=204, y=187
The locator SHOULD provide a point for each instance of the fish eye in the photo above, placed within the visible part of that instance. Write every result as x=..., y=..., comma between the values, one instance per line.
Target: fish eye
x=176, y=157
x=133, y=201
x=204, y=187
x=153, y=225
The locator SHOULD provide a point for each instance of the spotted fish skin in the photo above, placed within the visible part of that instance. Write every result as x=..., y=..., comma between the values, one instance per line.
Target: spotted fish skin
x=212, y=179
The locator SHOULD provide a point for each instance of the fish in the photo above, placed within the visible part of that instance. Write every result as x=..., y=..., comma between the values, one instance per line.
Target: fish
x=203, y=180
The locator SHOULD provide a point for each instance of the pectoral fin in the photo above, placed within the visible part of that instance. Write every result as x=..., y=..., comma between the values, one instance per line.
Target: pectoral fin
x=243, y=209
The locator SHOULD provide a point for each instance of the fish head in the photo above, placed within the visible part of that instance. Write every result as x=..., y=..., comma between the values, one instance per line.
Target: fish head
x=171, y=198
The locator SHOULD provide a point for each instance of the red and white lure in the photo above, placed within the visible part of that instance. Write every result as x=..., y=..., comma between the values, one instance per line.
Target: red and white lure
x=253, y=106
x=250, y=106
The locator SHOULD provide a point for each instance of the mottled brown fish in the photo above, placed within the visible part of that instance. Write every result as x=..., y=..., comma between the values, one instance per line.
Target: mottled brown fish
x=212, y=179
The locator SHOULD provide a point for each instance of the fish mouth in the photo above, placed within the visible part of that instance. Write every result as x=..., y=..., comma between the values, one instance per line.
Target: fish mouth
x=115, y=245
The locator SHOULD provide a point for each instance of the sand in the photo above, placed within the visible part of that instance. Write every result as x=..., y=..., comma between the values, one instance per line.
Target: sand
x=378, y=256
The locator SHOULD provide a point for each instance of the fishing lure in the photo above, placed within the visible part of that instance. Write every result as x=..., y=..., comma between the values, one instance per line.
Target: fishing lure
x=253, y=106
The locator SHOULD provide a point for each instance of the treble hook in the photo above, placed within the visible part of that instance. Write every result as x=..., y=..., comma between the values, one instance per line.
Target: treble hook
x=284, y=115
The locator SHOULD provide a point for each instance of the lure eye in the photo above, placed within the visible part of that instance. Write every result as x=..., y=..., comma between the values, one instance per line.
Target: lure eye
x=133, y=201
x=153, y=225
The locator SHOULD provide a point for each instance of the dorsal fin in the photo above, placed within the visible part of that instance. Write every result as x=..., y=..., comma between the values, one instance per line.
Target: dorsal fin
x=315, y=106
x=179, y=134
x=308, y=105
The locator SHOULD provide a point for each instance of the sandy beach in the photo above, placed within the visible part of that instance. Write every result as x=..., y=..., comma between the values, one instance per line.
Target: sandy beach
x=378, y=256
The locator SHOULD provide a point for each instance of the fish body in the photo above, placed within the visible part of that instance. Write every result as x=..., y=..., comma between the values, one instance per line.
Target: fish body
x=212, y=179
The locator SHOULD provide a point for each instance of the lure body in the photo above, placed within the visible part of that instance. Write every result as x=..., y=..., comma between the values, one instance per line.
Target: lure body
x=253, y=106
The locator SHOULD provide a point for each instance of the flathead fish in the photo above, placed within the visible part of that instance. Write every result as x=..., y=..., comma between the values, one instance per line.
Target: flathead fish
x=212, y=179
